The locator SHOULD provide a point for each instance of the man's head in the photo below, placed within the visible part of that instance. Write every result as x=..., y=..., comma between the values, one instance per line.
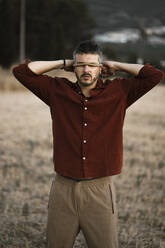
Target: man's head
x=88, y=47
x=87, y=62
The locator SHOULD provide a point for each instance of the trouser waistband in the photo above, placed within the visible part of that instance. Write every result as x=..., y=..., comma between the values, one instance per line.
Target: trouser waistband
x=79, y=179
x=69, y=180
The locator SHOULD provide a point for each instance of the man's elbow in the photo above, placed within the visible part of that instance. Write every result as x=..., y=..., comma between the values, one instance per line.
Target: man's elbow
x=15, y=71
x=161, y=76
x=158, y=76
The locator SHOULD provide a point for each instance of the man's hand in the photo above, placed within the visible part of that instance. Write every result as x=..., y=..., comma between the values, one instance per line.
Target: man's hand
x=69, y=65
x=108, y=68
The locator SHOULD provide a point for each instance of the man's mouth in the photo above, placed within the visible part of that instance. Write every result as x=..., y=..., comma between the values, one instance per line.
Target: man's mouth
x=86, y=76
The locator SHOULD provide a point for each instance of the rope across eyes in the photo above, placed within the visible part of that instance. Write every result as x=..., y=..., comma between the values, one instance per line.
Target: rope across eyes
x=89, y=64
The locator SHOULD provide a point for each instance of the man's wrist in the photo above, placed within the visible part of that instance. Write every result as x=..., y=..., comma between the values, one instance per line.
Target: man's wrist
x=115, y=65
x=68, y=65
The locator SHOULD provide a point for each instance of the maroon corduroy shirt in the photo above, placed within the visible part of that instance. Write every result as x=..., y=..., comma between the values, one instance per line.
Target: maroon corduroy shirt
x=88, y=131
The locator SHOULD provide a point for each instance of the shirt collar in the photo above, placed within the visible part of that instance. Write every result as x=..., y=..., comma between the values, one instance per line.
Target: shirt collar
x=100, y=85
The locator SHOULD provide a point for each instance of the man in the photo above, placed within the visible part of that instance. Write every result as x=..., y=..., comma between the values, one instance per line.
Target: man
x=87, y=127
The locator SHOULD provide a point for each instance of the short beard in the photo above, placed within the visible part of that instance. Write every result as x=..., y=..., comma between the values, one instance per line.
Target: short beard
x=85, y=84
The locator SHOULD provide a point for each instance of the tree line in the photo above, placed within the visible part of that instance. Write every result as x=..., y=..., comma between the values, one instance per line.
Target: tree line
x=53, y=28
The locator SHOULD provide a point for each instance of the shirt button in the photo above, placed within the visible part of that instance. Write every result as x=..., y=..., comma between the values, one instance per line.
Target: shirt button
x=85, y=141
x=85, y=124
x=85, y=108
x=84, y=158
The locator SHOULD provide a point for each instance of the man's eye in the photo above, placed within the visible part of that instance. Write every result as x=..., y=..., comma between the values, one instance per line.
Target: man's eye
x=78, y=65
x=93, y=65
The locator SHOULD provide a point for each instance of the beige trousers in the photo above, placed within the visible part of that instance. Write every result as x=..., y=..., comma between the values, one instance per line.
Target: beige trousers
x=86, y=205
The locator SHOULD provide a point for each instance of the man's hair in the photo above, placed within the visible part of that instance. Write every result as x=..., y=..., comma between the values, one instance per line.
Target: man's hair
x=88, y=47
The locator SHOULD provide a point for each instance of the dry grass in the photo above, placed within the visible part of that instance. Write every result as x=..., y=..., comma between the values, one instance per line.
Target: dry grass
x=26, y=171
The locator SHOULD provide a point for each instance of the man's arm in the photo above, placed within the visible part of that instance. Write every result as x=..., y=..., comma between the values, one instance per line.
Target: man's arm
x=40, y=67
x=145, y=77
x=113, y=66
x=30, y=75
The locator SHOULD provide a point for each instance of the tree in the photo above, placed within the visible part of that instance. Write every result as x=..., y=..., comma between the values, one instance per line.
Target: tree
x=22, y=29
x=53, y=28
x=9, y=28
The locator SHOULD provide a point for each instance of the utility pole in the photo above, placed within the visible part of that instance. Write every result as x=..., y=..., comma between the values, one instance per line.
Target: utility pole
x=22, y=30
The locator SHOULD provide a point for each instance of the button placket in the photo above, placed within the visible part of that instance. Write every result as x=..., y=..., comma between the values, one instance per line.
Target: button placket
x=85, y=126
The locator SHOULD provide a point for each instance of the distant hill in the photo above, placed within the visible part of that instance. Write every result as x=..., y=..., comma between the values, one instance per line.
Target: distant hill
x=118, y=14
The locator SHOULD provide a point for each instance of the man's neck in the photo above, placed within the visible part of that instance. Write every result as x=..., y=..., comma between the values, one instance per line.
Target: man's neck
x=86, y=90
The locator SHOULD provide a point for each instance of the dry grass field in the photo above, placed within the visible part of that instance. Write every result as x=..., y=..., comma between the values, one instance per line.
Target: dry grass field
x=26, y=171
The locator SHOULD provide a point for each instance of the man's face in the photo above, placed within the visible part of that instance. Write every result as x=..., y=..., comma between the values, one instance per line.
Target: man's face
x=87, y=69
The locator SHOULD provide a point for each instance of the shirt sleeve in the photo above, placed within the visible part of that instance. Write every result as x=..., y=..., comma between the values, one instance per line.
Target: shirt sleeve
x=136, y=87
x=40, y=85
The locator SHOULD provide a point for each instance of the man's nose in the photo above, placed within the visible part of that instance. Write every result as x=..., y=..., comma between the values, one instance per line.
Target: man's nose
x=86, y=68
